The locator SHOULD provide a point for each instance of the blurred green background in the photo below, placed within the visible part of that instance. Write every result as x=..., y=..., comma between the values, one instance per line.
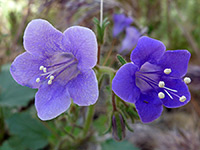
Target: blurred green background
x=174, y=22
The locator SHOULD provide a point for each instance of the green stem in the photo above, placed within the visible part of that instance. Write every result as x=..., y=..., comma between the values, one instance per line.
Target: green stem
x=88, y=120
x=2, y=130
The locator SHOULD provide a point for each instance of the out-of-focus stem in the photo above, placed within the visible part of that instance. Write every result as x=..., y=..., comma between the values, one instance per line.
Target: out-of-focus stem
x=101, y=13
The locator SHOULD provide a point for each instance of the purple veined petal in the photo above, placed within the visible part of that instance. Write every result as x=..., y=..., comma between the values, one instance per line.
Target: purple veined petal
x=149, y=107
x=82, y=43
x=176, y=60
x=124, y=85
x=147, y=50
x=130, y=40
x=120, y=23
x=51, y=100
x=182, y=90
x=25, y=69
x=42, y=39
x=84, y=88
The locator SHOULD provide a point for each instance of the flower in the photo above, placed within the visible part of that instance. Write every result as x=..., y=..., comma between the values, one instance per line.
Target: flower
x=59, y=65
x=130, y=40
x=153, y=78
x=120, y=23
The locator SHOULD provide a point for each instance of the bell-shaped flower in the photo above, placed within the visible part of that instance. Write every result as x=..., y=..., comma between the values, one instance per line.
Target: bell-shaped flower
x=130, y=40
x=120, y=23
x=59, y=65
x=153, y=78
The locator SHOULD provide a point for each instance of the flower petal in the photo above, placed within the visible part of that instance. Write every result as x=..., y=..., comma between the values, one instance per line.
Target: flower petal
x=82, y=43
x=182, y=90
x=25, y=69
x=176, y=60
x=84, y=88
x=147, y=50
x=149, y=107
x=124, y=85
x=131, y=39
x=42, y=39
x=51, y=100
x=120, y=23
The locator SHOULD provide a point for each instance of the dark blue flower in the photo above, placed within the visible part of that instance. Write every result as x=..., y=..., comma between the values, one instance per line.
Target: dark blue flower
x=153, y=78
x=59, y=65
x=130, y=40
x=120, y=23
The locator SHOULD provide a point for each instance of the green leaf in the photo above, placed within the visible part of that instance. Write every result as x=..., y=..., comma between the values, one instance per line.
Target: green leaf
x=11, y=93
x=100, y=124
x=30, y=132
x=121, y=59
x=114, y=145
x=6, y=146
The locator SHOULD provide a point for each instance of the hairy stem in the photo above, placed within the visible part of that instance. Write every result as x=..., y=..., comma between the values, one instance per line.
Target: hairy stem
x=88, y=120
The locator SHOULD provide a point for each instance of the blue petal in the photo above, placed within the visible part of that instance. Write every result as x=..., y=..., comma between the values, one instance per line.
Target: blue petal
x=25, y=69
x=176, y=60
x=82, y=43
x=51, y=100
x=124, y=85
x=182, y=90
x=149, y=107
x=147, y=50
x=120, y=23
x=42, y=39
x=131, y=39
x=84, y=88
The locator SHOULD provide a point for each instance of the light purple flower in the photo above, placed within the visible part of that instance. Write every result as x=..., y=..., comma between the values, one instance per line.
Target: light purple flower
x=59, y=65
x=120, y=23
x=130, y=40
x=153, y=78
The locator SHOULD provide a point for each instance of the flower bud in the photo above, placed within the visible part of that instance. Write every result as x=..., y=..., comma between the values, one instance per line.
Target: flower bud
x=118, y=126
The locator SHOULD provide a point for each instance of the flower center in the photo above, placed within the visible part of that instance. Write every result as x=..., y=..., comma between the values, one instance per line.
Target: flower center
x=62, y=66
x=147, y=80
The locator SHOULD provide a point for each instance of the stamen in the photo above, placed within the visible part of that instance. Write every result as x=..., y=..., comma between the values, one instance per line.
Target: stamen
x=44, y=70
x=161, y=95
x=167, y=71
x=187, y=80
x=168, y=94
x=49, y=82
x=41, y=67
x=161, y=84
x=51, y=77
x=170, y=89
x=182, y=99
x=37, y=80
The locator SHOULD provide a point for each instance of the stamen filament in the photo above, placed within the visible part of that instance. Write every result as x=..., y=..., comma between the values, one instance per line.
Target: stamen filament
x=168, y=94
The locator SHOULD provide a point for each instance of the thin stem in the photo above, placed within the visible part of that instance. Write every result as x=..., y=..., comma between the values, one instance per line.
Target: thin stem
x=99, y=54
x=101, y=13
x=88, y=120
x=113, y=102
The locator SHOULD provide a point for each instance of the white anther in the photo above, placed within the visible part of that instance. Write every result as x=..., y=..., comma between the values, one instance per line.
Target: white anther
x=41, y=67
x=182, y=99
x=161, y=84
x=44, y=70
x=49, y=82
x=51, y=77
x=187, y=80
x=167, y=71
x=161, y=95
x=37, y=80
